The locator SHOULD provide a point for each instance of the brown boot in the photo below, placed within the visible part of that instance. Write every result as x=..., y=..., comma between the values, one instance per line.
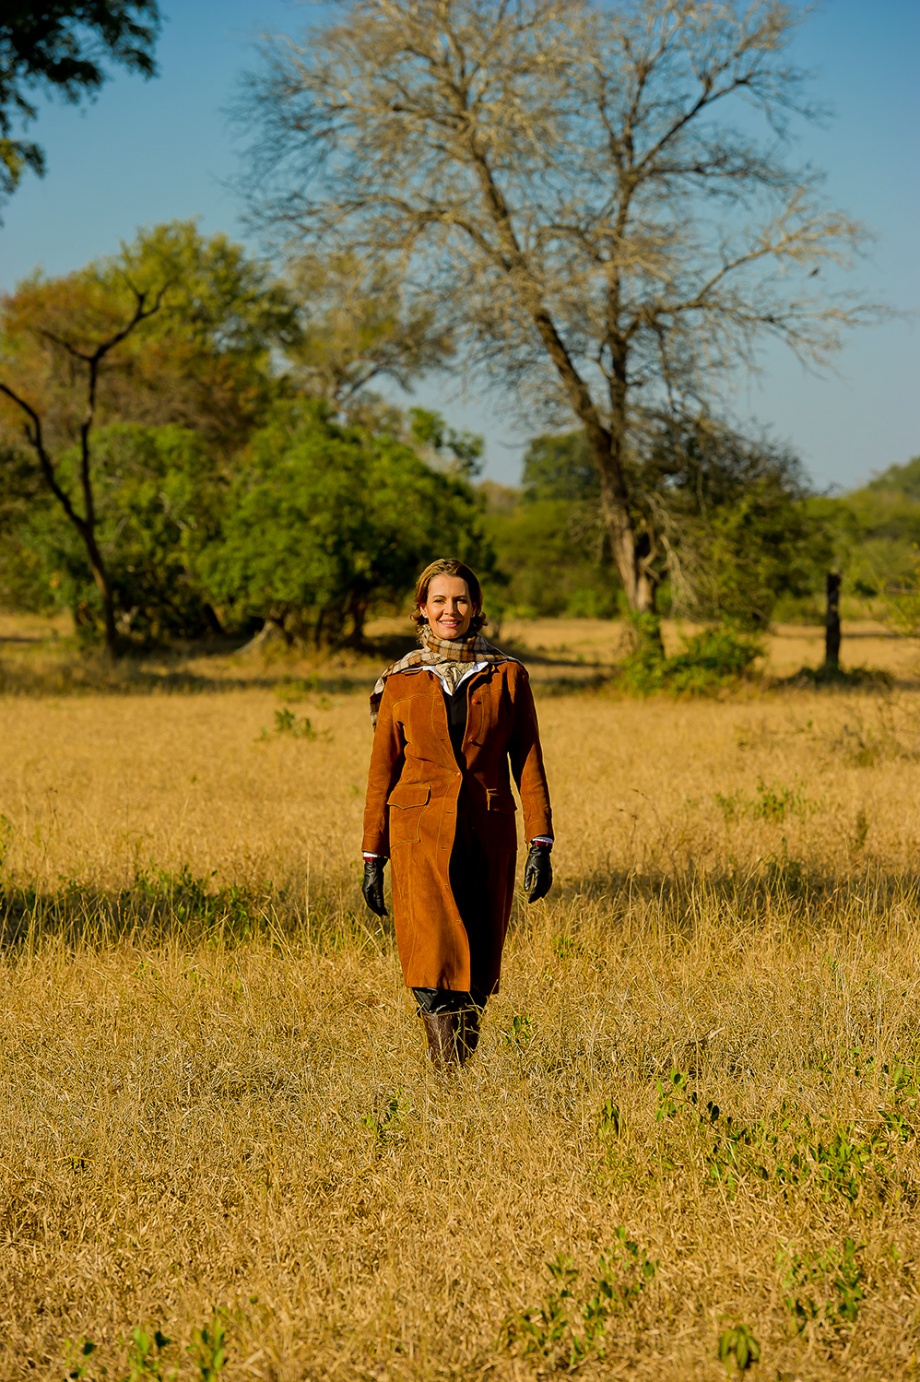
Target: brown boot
x=468, y=1033
x=442, y=1031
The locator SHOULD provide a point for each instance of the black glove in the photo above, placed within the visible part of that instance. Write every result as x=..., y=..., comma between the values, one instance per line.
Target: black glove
x=538, y=873
x=372, y=887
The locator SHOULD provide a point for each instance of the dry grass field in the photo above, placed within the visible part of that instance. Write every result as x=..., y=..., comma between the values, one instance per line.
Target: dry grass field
x=687, y=1146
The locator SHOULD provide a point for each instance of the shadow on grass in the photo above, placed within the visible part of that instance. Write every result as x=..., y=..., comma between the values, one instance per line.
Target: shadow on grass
x=77, y=675
x=161, y=906
x=800, y=896
x=842, y=679
x=53, y=671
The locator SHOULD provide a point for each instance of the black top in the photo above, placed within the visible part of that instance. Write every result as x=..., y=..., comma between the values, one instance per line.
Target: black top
x=457, y=711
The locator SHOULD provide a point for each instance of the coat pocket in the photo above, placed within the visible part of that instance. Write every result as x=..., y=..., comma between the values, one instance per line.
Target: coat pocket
x=407, y=801
x=500, y=799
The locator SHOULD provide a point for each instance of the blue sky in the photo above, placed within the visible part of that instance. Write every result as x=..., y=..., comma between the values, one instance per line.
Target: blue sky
x=153, y=151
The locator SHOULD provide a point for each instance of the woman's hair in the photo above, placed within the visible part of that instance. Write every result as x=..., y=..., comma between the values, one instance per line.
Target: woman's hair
x=449, y=566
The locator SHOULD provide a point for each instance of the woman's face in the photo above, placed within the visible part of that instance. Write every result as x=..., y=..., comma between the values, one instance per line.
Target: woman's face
x=448, y=608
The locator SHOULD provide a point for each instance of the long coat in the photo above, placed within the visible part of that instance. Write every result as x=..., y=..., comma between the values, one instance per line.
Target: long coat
x=422, y=802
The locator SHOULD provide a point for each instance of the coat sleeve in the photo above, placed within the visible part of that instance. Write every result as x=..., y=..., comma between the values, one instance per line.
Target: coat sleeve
x=527, y=758
x=386, y=765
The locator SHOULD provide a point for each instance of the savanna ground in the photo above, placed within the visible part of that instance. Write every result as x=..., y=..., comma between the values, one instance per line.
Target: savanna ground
x=692, y=1126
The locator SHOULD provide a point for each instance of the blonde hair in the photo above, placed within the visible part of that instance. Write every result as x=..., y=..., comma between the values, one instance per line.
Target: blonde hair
x=449, y=566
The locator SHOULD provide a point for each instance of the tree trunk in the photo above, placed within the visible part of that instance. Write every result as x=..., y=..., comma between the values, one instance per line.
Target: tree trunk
x=832, y=633
x=106, y=593
x=212, y=619
x=621, y=532
x=357, y=612
x=270, y=632
x=630, y=549
x=609, y=450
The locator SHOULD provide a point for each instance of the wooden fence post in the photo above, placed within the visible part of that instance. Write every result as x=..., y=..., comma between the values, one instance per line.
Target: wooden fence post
x=832, y=623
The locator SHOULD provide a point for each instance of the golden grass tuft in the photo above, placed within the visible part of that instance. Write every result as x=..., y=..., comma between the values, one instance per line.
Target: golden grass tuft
x=217, y=1113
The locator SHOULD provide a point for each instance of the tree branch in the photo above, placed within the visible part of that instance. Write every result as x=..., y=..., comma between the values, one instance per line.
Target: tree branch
x=35, y=439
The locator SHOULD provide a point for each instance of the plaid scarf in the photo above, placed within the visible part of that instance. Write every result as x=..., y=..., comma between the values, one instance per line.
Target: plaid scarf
x=449, y=657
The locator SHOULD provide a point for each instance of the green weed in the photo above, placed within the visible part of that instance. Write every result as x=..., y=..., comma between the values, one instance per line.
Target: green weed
x=675, y=1094
x=772, y=804
x=145, y=1356
x=570, y=1325
x=387, y=1126
x=669, y=1104
x=610, y=1124
x=563, y=946
x=291, y=726
x=838, y=1167
x=291, y=688
x=788, y=1152
x=78, y=1353
x=826, y=1288
x=738, y=1348
x=191, y=899
x=208, y=1350
x=521, y=1033
x=145, y=1361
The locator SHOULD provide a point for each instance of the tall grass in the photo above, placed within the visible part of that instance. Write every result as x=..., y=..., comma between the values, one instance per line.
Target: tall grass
x=688, y=1140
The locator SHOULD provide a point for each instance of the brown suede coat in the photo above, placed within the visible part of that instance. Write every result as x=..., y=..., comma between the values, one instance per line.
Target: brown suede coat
x=414, y=792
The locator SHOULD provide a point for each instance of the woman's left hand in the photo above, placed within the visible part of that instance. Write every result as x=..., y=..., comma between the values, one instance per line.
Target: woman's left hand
x=538, y=873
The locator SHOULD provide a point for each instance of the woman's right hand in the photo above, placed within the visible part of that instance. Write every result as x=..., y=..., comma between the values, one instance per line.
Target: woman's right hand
x=538, y=873
x=372, y=887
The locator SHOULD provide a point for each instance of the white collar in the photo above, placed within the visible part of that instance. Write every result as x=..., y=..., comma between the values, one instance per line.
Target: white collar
x=475, y=667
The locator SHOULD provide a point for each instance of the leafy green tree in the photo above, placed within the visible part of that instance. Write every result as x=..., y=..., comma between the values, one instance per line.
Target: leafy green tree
x=161, y=500
x=877, y=535
x=209, y=359
x=730, y=526
x=49, y=381
x=551, y=555
x=23, y=577
x=560, y=467
x=325, y=521
x=759, y=549
x=551, y=542
x=60, y=47
x=175, y=329
x=460, y=453
x=898, y=480
x=158, y=501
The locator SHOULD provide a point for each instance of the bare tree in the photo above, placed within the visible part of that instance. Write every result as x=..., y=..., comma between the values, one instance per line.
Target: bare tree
x=597, y=199
x=84, y=361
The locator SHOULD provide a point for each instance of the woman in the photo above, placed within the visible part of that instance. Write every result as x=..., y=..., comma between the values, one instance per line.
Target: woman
x=449, y=718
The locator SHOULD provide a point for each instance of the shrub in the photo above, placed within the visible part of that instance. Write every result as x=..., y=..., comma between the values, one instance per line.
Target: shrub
x=707, y=662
